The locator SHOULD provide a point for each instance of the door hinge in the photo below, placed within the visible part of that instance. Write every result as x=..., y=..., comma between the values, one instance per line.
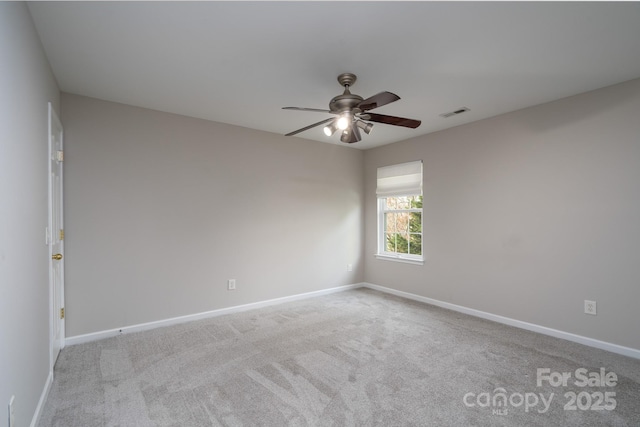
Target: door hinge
x=62, y=313
x=60, y=156
x=61, y=234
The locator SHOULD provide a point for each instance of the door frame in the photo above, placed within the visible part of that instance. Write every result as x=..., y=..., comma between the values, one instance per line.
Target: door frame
x=55, y=319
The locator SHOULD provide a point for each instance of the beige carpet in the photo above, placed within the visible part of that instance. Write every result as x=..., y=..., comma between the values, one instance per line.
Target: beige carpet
x=355, y=358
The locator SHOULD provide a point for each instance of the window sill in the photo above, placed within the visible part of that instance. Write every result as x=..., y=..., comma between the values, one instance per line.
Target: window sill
x=397, y=258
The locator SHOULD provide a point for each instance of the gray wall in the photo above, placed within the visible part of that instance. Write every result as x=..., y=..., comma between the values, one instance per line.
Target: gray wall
x=162, y=209
x=26, y=85
x=528, y=214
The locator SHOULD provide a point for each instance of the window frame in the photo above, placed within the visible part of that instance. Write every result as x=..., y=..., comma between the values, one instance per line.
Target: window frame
x=382, y=253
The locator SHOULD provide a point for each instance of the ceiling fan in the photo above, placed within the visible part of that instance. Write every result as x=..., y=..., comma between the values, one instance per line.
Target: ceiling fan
x=353, y=114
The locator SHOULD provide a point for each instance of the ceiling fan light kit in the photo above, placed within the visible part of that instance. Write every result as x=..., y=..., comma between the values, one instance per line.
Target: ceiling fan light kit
x=343, y=122
x=366, y=127
x=352, y=111
x=330, y=129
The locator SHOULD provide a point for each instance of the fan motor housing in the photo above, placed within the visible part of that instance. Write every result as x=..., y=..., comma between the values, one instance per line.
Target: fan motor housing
x=345, y=102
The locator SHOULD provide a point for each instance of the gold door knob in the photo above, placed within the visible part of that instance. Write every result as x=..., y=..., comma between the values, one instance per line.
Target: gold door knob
x=57, y=257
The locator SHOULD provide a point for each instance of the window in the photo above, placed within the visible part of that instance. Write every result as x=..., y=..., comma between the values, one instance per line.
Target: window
x=399, y=193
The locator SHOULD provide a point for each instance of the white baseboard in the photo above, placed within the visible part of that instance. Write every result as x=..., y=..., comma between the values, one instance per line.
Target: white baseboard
x=43, y=399
x=79, y=339
x=614, y=348
x=591, y=342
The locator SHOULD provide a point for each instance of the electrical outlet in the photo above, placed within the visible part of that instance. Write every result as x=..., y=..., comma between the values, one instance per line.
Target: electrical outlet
x=12, y=415
x=231, y=284
x=349, y=267
x=590, y=307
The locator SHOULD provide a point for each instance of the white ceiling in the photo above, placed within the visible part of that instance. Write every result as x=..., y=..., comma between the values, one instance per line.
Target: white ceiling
x=240, y=62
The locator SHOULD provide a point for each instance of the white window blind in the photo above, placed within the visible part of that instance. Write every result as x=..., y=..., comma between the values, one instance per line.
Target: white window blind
x=400, y=180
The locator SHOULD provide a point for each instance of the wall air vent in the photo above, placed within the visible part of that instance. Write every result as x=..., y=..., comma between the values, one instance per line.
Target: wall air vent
x=455, y=113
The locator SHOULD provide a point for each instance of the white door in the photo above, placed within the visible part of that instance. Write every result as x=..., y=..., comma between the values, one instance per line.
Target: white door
x=55, y=235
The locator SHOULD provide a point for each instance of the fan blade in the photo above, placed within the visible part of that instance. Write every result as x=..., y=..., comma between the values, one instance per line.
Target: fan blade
x=391, y=120
x=310, y=126
x=352, y=135
x=378, y=100
x=308, y=109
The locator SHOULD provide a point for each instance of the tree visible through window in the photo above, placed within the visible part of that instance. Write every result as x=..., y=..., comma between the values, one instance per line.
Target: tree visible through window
x=399, y=193
x=402, y=225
